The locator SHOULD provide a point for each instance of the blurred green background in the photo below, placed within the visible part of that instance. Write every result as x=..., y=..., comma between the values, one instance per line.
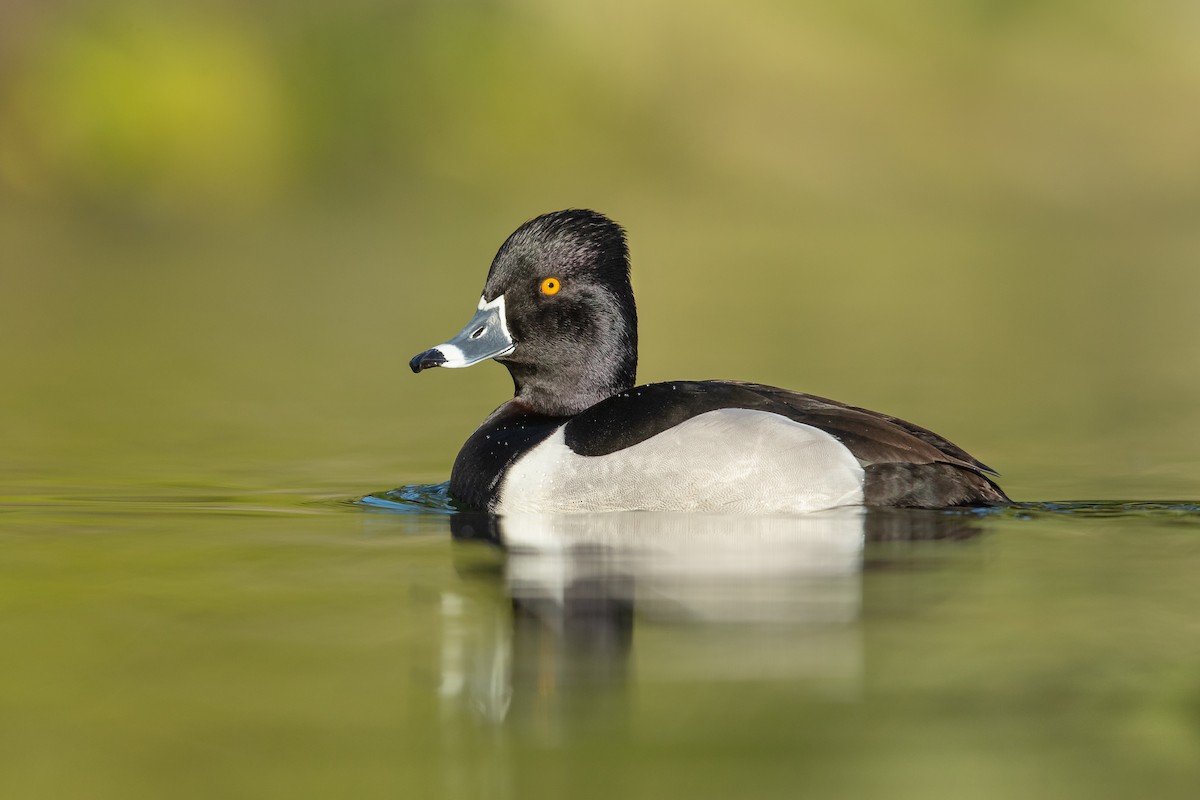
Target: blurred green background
x=224, y=227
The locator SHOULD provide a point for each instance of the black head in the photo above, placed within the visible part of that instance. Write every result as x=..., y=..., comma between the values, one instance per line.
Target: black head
x=558, y=311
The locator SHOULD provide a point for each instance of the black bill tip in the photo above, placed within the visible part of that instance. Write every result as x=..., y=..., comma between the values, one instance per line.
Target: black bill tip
x=430, y=358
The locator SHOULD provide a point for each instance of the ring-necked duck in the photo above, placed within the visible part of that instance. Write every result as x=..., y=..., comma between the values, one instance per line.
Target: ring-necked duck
x=557, y=310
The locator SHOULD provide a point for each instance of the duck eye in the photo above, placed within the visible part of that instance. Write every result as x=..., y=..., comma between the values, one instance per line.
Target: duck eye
x=551, y=286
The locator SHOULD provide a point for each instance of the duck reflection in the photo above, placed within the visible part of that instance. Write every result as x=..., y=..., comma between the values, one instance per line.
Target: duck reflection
x=713, y=598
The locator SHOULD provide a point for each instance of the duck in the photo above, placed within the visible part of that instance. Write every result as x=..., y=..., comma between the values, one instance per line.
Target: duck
x=579, y=435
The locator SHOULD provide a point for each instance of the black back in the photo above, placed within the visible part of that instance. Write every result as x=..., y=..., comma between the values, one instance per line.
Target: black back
x=905, y=464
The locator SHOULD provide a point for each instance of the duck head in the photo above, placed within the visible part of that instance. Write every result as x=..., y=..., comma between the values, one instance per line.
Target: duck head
x=557, y=310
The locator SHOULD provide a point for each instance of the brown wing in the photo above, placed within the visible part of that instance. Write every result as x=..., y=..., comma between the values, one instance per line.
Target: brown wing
x=905, y=464
x=884, y=438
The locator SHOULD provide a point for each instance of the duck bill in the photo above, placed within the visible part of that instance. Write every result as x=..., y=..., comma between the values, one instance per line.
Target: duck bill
x=486, y=336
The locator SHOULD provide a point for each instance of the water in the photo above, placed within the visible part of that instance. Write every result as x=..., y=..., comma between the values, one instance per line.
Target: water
x=203, y=594
x=225, y=228
x=201, y=645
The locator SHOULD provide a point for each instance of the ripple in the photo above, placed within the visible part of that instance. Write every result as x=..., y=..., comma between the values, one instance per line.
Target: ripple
x=435, y=498
x=413, y=498
x=1110, y=509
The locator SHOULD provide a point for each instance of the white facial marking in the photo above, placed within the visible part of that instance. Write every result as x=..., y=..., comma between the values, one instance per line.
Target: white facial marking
x=498, y=304
x=486, y=336
x=454, y=357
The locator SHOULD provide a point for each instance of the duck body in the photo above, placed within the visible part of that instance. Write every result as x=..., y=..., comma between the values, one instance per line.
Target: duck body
x=579, y=436
x=711, y=446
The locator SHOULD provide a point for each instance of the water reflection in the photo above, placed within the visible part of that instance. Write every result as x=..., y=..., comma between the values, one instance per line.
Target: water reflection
x=598, y=598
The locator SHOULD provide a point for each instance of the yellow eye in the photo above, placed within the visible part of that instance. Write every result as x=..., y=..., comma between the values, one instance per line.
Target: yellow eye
x=551, y=286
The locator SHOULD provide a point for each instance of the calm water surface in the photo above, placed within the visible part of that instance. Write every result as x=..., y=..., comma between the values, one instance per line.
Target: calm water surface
x=201, y=644
x=196, y=600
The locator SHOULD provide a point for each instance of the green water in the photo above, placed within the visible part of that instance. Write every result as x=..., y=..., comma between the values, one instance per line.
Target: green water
x=201, y=645
x=193, y=603
x=225, y=228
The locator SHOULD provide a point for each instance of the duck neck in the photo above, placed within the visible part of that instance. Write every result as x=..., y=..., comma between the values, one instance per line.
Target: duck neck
x=569, y=387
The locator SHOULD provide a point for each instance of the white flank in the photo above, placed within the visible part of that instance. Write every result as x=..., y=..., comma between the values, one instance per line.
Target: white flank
x=732, y=460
